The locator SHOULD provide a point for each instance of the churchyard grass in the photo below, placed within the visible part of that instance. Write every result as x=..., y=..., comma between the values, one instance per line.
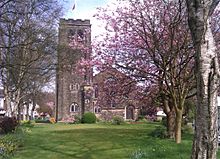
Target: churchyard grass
x=100, y=141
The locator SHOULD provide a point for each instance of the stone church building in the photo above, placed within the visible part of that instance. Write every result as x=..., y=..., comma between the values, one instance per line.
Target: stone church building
x=78, y=93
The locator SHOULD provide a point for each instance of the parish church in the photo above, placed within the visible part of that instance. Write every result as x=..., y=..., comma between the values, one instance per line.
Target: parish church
x=77, y=93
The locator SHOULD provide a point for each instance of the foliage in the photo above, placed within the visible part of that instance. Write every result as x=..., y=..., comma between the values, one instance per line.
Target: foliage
x=117, y=120
x=27, y=124
x=141, y=117
x=69, y=120
x=46, y=102
x=77, y=119
x=138, y=154
x=152, y=45
x=159, y=132
x=191, y=116
x=104, y=122
x=113, y=87
x=151, y=117
x=189, y=108
x=8, y=124
x=164, y=121
x=27, y=32
x=52, y=120
x=88, y=117
x=42, y=121
x=187, y=129
x=9, y=143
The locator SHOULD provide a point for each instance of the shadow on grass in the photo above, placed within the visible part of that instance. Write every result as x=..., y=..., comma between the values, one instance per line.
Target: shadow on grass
x=95, y=142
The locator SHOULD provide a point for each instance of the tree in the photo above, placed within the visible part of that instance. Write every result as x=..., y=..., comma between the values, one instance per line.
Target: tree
x=27, y=32
x=114, y=88
x=153, y=46
x=46, y=101
x=207, y=77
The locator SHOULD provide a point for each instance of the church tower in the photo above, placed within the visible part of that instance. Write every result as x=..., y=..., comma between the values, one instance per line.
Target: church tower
x=71, y=83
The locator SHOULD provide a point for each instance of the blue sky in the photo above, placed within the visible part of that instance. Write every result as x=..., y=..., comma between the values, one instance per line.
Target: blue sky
x=85, y=9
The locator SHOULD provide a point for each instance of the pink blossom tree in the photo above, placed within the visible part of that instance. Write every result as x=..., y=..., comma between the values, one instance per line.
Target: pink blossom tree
x=149, y=41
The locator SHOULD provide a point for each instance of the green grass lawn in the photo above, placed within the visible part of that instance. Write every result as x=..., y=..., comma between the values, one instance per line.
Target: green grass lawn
x=97, y=141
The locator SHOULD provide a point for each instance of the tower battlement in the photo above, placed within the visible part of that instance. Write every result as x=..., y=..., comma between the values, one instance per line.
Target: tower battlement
x=75, y=22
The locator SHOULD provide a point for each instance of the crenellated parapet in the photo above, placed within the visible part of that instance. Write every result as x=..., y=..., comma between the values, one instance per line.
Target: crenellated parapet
x=75, y=22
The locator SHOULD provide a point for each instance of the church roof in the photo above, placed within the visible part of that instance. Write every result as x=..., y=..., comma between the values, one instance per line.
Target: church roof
x=109, y=72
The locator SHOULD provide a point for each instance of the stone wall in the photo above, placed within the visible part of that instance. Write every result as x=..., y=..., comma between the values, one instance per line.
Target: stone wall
x=73, y=87
x=69, y=80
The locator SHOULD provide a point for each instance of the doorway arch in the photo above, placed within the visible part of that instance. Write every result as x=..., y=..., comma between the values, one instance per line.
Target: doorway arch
x=130, y=112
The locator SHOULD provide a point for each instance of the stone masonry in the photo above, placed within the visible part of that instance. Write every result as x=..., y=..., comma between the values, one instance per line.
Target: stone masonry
x=70, y=83
x=76, y=92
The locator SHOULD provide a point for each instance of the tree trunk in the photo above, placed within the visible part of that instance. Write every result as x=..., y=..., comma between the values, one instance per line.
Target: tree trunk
x=170, y=112
x=27, y=111
x=24, y=113
x=18, y=112
x=178, y=126
x=205, y=140
x=7, y=102
x=33, y=107
x=207, y=72
x=171, y=124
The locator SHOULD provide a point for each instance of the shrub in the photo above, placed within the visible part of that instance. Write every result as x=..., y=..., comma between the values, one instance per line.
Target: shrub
x=117, y=120
x=88, y=117
x=9, y=143
x=159, y=132
x=52, y=120
x=24, y=122
x=7, y=146
x=42, y=121
x=8, y=124
x=140, y=117
x=187, y=129
x=28, y=124
x=105, y=122
x=190, y=106
x=69, y=120
x=151, y=118
x=77, y=119
x=164, y=121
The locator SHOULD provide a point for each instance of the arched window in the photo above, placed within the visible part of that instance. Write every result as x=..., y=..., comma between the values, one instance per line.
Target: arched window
x=87, y=101
x=71, y=33
x=74, y=87
x=97, y=110
x=111, y=103
x=81, y=34
x=74, y=107
x=110, y=80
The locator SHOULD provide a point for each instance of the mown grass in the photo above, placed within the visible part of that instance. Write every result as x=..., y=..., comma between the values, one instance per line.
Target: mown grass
x=99, y=141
